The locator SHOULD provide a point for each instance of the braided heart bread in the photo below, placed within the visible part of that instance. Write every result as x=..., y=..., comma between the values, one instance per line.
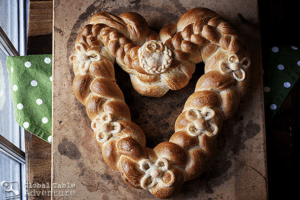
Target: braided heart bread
x=157, y=63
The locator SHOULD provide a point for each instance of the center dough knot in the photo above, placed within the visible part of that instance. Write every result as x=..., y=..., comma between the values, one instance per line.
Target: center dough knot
x=156, y=173
x=200, y=124
x=106, y=128
x=155, y=57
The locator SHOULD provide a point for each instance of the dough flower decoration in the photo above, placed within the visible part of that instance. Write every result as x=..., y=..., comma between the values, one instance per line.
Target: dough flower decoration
x=155, y=173
x=201, y=122
x=155, y=57
x=85, y=57
x=235, y=66
x=104, y=127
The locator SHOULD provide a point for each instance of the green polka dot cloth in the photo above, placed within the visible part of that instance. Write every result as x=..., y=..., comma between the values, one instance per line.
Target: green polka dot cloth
x=280, y=76
x=31, y=88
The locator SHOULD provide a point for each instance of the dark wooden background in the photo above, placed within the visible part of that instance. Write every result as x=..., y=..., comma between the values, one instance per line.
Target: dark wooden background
x=279, y=26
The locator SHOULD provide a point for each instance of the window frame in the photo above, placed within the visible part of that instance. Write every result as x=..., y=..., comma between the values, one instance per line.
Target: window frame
x=18, y=10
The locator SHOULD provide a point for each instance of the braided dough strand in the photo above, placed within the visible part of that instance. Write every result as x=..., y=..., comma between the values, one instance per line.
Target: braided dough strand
x=157, y=63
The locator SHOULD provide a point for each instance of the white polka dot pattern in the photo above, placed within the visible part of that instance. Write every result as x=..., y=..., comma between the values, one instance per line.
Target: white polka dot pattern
x=273, y=106
x=45, y=120
x=39, y=101
x=27, y=64
x=33, y=83
x=15, y=88
x=287, y=84
x=295, y=48
x=25, y=124
x=275, y=49
x=20, y=106
x=47, y=60
x=30, y=80
x=280, y=67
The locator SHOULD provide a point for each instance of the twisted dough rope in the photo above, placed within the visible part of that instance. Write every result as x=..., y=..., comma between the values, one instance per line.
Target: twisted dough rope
x=157, y=63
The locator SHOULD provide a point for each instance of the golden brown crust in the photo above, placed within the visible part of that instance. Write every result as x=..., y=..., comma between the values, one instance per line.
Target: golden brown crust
x=81, y=84
x=137, y=27
x=193, y=15
x=156, y=64
x=183, y=139
x=204, y=98
x=94, y=105
x=197, y=164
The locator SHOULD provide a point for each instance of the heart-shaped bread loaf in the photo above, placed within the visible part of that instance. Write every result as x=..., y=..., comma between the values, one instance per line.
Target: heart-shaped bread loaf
x=157, y=63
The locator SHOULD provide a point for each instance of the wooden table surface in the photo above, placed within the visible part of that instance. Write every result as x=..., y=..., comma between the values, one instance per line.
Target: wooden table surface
x=280, y=132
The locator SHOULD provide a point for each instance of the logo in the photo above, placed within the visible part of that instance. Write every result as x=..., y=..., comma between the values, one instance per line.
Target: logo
x=11, y=189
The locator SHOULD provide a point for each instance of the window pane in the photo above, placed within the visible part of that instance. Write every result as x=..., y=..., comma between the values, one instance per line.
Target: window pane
x=9, y=128
x=13, y=20
x=10, y=176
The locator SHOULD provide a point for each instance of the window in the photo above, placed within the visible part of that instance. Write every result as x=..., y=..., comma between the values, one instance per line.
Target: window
x=13, y=21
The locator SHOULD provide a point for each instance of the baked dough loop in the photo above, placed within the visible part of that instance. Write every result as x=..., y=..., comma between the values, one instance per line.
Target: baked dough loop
x=157, y=63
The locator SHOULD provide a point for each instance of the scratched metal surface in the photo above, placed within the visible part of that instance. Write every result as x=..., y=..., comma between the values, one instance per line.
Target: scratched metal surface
x=239, y=168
